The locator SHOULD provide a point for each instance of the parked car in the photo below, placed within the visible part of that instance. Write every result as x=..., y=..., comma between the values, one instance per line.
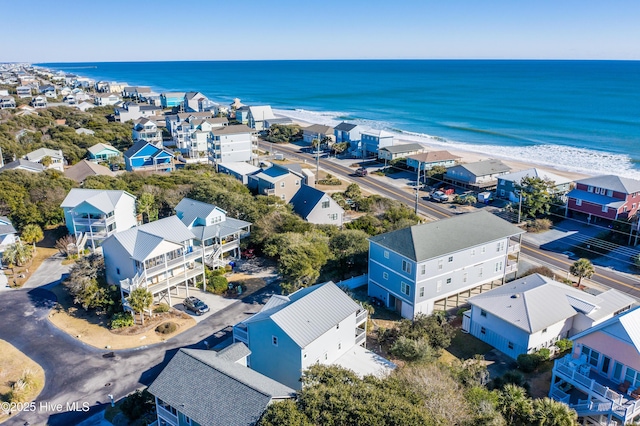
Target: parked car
x=439, y=197
x=195, y=305
x=248, y=253
x=361, y=172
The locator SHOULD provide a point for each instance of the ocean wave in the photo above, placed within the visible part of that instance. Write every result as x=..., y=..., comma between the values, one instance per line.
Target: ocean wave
x=570, y=159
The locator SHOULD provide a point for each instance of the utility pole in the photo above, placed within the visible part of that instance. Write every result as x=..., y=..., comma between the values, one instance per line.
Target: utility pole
x=317, y=158
x=418, y=186
x=519, y=205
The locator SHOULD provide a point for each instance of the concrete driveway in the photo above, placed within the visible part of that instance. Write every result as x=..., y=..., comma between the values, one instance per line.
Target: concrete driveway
x=216, y=303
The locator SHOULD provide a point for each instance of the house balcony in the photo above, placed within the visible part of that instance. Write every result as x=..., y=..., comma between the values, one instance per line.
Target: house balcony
x=166, y=415
x=101, y=222
x=361, y=336
x=270, y=191
x=155, y=167
x=241, y=334
x=163, y=284
x=361, y=316
x=513, y=248
x=195, y=255
x=511, y=267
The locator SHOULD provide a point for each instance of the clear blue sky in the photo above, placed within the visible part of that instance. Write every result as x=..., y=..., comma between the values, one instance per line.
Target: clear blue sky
x=134, y=30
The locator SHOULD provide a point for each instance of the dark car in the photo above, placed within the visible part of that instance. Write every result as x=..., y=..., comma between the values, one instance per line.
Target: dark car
x=195, y=305
x=361, y=172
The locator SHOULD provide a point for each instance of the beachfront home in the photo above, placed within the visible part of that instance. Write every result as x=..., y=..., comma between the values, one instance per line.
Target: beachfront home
x=145, y=129
x=370, y=142
x=145, y=156
x=534, y=312
x=92, y=215
x=104, y=99
x=317, y=207
x=174, y=120
x=84, y=106
x=38, y=102
x=429, y=160
x=242, y=115
x=114, y=87
x=101, y=152
x=84, y=131
x=197, y=102
x=347, y=132
x=158, y=256
x=231, y=144
x=171, y=99
x=600, y=378
x=192, y=136
x=239, y=170
x=218, y=234
x=318, y=132
x=22, y=164
x=48, y=90
x=8, y=235
x=395, y=152
x=507, y=184
x=317, y=324
x=133, y=111
x=438, y=265
x=257, y=115
x=7, y=102
x=201, y=387
x=135, y=92
x=85, y=168
x=23, y=91
x=49, y=158
x=480, y=175
x=607, y=197
x=278, y=180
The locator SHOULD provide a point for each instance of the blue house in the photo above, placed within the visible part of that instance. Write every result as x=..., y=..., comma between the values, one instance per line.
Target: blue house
x=347, y=132
x=371, y=141
x=171, y=99
x=144, y=156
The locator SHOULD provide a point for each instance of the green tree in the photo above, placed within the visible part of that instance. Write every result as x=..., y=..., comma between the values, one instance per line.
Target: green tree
x=547, y=412
x=87, y=284
x=140, y=299
x=353, y=191
x=350, y=248
x=46, y=161
x=515, y=405
x=582, y=268
x=147, y=205
x=17, y=254
x=32, y=234
x=537, y=195
x=284, y=413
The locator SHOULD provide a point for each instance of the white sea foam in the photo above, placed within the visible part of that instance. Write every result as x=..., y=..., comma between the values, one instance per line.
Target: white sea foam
x=561, y=157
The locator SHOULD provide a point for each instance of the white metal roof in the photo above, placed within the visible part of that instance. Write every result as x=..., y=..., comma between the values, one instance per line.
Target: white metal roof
x=102, y=199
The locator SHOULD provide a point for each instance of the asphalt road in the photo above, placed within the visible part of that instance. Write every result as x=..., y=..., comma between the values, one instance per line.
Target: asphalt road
x=603, y=276
x=76, y=372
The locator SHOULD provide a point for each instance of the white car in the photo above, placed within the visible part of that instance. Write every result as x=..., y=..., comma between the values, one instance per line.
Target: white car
x=439, y=197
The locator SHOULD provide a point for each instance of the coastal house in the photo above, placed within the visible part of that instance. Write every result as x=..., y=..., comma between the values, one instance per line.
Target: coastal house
x=171, y=99
x=23, y=91
x=319, y=324
x=22, y=164
x=193, y=136
x=534, y=312
x=145, y=156
x=317, y=207
x=38, y=102
x=135, y=92
x=102, y=152
x=114, y=87
x=219, y=235
x=278, y=180
x=145, y=129
x=257, y=116
x=84, y=106
x=48, y=90
x=197, y=102
x=53, y=157
x=507, y=184
x=242, y=115
x=607, y=197
x=438, y=265
x=480, y=175
x=105, y=99
x=600, y=378
x=85, y=131
x=85, y=168
x=429, y=160
x=347, y=132
x=240, y=170
x=395, y=152
x=133, y=111
x=370, y=142
x=7, y=102
x=8, y=235
x=92, y=215
x=70, y=99
x=318, y=132
x=174, y=120
x=201, y=387
x=158, y=256
x=231, y=144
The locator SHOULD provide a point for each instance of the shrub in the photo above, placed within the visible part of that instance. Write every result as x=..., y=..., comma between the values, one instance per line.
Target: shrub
x=167, y=328
x=564, y=344
x=137, y=404
x=228, y=268
x=217, y=272
x=217, y=284
x=121, y=319
x=539, y=225
x=543, y=354
x=528, y=362
x=510, y=377
x=161, y=308
x=542, y=270
x=412, y=350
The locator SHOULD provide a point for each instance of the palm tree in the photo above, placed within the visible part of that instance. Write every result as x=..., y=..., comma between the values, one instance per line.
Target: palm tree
x=547, y=412
x=515, y=405
x=140, y=299
x=582, y=268
x=32, y=234
x=17, y=254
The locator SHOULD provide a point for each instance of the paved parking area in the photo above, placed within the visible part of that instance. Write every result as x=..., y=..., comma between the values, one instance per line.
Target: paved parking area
x=216, y=303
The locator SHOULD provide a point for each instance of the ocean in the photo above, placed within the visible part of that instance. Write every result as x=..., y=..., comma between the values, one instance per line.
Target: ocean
x=581, y=116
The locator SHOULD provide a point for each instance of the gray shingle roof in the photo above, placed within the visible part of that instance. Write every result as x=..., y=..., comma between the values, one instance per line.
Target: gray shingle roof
x=486, y=167
x=83, y=169
x=231, y=130
x=23, y=164
x=318, y=128
x=594, y=198
x=434, y=239
x=434, y=156
x=535, y=302
x=613, y=182
x=215, y=391
x=405, y=147
x=6, y=227
x=345, y=127
x=309, y=312
x=305, y=200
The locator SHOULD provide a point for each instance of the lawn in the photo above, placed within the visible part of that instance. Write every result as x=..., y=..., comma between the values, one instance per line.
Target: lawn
x=13, y=365
x=465, y=346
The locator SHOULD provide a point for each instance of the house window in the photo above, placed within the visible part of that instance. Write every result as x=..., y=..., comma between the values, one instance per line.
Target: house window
x=464, y=277
x=480, y=272
x=438, y=286
x=617, y=370
x=448, y=281
x=423, y=269
x=500, y=246
x=450, y=259
x=578, y=202
x=421, y=291
x=473, y=252
x=483, y=330
x=498, y=266
x=325, y=204
x=297, y=182
x=385, y=275
x=633, y=206
x=339, y=345
x=483, y=249
x=187, y=420
x=590, y=188
x=605, y=209
x=118, y=271
x=281, y=184
x=510, y=345
x=274, y=340
x=325, y=356
x=333, y=216
x=440, y=264
x=609, y=193
x=592, y=356
x=386, y=254
x=544, y=330
x=483, y=313
x=405, y=288
x=406, y=267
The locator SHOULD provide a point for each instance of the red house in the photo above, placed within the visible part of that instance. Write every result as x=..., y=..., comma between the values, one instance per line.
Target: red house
x=605, y=197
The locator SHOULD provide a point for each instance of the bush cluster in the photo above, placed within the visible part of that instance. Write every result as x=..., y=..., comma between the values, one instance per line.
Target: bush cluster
x=161, y=308
x=121, y=320
x=529, y=362
x=167, y=328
